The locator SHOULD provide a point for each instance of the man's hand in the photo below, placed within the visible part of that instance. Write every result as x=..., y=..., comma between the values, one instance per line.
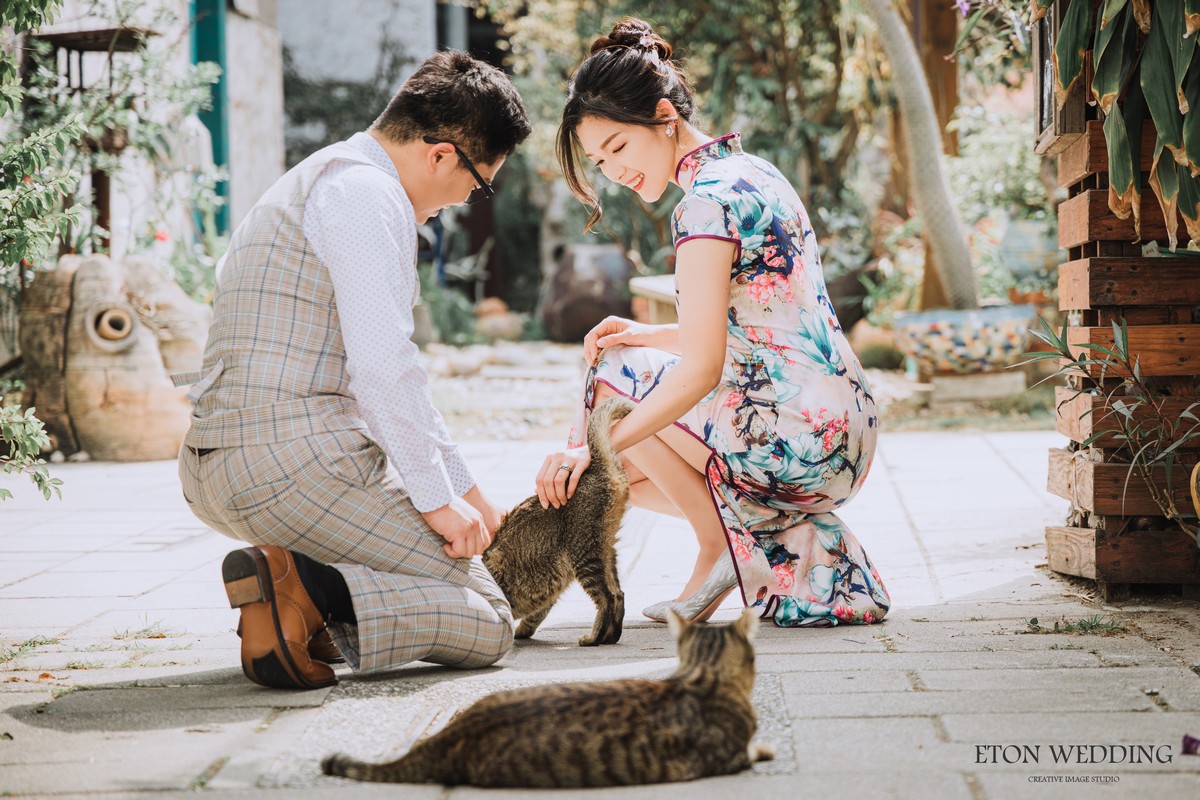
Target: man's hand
x=492, y=514
x=462, y=526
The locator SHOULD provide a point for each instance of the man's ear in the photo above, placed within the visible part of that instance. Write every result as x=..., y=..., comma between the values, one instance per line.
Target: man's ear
x=437, y=154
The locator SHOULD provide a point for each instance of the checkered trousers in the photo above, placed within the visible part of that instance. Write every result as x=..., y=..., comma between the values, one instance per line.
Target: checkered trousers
x=333, y=497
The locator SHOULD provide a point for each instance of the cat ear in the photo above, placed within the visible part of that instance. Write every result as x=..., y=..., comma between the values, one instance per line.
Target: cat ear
x=676, y=623
x=747, y=623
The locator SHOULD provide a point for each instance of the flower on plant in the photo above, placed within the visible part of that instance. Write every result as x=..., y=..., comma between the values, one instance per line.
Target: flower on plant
x=161, y=235
x=963, y=6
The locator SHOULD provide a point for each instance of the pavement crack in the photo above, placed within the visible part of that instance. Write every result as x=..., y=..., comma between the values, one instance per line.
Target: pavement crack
x=269, y=720
x=1159, y=700
x=208, y=774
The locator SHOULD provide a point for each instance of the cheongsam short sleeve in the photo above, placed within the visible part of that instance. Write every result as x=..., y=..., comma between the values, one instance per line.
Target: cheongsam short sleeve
x=701, y=217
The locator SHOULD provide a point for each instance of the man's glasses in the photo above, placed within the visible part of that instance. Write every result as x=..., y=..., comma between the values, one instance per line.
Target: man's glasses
x=483, y=190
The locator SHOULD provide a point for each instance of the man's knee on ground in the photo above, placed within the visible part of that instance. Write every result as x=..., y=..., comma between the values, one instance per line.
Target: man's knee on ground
x=489, y=650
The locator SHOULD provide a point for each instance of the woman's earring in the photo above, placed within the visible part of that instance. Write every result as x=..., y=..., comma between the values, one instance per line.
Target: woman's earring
x=670, y=129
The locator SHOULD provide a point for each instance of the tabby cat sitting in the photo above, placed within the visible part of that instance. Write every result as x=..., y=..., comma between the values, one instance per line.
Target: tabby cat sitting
x=536, y=552
x=695, y=724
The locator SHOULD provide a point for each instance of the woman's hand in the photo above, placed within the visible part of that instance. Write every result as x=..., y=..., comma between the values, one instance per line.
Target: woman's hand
x=555, y=485
x=617, y=330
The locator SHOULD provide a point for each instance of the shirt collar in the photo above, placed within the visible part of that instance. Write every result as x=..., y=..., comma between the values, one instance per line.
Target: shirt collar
x=685, y=171
x=366, y=144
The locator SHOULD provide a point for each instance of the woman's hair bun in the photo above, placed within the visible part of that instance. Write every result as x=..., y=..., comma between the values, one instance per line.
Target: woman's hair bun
x=635, y=34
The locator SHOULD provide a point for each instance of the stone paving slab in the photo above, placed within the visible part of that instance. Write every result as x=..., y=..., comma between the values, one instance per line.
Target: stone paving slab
x=894, y=710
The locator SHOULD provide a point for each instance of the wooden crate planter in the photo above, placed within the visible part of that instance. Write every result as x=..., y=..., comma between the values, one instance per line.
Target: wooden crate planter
x=1082, y=415
x=1111, y=489
x=1136, y=557
x=1086, y=218
x=1120, y=538
x=1101, y=283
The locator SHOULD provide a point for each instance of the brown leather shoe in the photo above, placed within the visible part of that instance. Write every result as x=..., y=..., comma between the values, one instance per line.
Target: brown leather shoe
x=320, y=647
x=279, y=619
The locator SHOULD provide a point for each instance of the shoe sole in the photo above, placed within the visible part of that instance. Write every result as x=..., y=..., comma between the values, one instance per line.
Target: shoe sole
x=247, y=577
x=331, y=660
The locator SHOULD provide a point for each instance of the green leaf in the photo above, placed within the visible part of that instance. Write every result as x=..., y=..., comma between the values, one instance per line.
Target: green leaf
x=1189, y=201
x=1191, y=16
x=1170, y=14
x=1038, y=9
x=1191, y=122
x=1164, y=182
x=1125, y=196
x=1111, y=9
x=1073, y=39
x=969, y=26
x=1111, y=61
x=1158, y=86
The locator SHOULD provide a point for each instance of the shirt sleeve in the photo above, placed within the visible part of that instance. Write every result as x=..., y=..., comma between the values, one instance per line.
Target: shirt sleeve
x=360, y=224
x=701, y=217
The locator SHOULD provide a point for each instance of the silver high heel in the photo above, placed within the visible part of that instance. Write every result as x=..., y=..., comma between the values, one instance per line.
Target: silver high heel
x=701, y=605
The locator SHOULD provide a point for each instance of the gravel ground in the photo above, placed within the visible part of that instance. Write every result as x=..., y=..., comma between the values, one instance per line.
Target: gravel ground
x=530, y=390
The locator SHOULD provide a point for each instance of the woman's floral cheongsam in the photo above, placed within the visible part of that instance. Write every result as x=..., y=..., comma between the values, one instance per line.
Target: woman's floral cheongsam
x=792, y=424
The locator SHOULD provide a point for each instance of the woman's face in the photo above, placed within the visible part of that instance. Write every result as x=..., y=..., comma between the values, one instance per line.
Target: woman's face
x=639, y=157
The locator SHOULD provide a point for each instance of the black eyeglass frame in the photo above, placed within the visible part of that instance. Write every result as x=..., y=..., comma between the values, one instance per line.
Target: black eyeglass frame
x=484, y=186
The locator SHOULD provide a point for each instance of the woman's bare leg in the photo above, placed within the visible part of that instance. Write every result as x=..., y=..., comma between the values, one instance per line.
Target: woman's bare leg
x=674, y=484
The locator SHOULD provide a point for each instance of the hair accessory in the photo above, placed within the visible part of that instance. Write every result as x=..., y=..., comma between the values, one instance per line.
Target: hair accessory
x=647, y=42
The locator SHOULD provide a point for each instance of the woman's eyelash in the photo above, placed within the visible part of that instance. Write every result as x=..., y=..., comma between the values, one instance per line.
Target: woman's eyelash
x=619, y=149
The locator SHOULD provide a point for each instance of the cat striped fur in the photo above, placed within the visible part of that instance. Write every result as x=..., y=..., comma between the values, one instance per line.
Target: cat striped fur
x=697, y=723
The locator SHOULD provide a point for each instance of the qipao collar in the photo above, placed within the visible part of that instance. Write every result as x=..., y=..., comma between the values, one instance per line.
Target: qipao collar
x=685, y=171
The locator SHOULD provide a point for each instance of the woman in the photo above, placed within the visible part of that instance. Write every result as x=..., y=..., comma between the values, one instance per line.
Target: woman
x=754, y=419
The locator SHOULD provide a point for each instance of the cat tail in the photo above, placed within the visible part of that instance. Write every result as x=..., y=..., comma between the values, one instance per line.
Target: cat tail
x=603, y=417
x=341, y=765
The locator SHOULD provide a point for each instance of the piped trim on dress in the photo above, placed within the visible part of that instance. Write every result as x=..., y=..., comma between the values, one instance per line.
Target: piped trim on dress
x=734, y=147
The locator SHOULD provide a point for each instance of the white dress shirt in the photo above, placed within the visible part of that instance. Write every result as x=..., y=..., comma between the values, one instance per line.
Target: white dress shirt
x=360, y=223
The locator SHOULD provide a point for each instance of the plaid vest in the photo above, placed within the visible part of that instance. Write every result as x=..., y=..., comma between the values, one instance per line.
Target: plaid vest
x=274, y=366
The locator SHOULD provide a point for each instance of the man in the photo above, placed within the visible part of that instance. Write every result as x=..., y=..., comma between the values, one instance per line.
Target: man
x=314, y=437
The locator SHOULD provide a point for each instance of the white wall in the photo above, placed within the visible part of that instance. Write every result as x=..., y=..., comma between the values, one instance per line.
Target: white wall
x=342, y=40
x=254, y=82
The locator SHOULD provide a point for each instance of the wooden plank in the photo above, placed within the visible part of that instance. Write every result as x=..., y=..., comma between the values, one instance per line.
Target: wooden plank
x=1132, y=557
x=1110, y=488
x=1079, y=415
x=1088, y=155
x=1094, y=282
x=1072, y=551
x=1065, y=479
x=1163, y=350
x=1086, y=218
x=1148, y=557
